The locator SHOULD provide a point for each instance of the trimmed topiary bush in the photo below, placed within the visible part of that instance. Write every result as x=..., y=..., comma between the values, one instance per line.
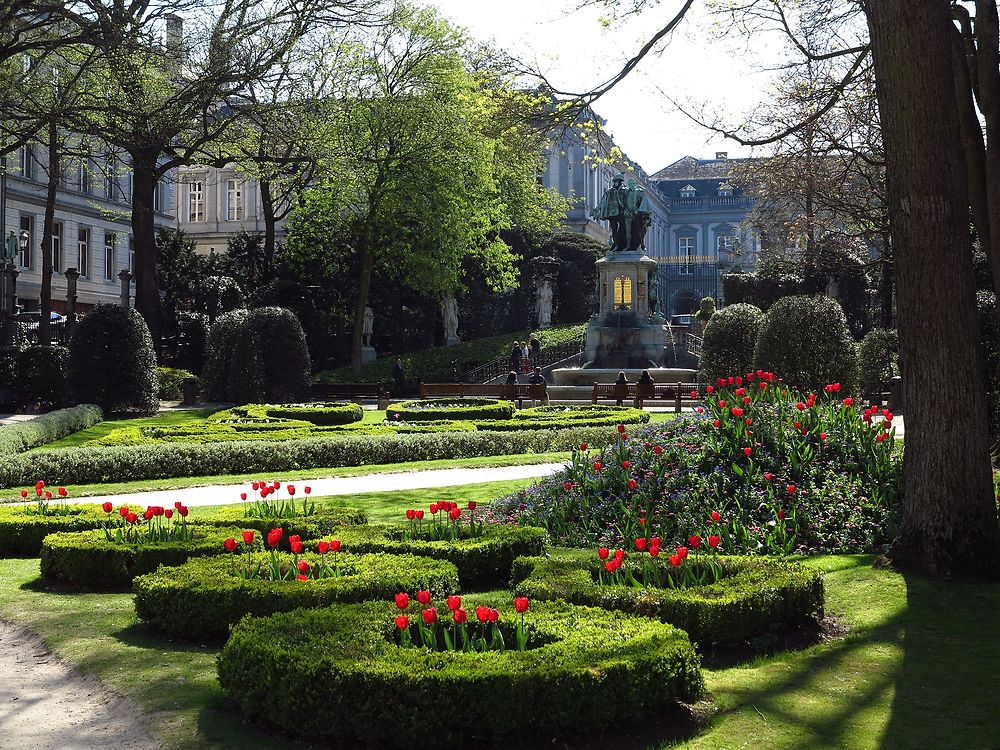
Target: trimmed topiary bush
x=22, y=529
x=481, y=561
x=336, y=673
x=324, y=521
x=878, y=359
x=807, y=340
x=201, y=599
x=87, y=561
x=41, y=376
x=555, y=417
x=442, y=408
x=756, y=596
x=730, y=337
x=22, y=436
x=320, y=413
x=270, y=362
x=112, y=363
x=221, y=342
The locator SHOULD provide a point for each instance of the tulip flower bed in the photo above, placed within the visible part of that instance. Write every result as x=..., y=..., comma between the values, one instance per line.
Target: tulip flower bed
x=340, y=674
x=89, y=561
x=200, y=599
x=482, y=560
x=324, y=521
x=781, y=471
x=740, y=599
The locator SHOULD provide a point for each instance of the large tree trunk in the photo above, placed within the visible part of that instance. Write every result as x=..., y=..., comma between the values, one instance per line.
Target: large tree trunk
x=48, y=226
x=950, y=525
x=988, y=88
x=147, y=283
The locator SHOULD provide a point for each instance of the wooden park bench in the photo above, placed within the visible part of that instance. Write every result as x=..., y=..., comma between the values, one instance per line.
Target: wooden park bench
x=350, y=391
x=638, y=393
x=516, y=393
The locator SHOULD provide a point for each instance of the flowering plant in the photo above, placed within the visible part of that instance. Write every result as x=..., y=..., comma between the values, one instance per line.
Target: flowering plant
x=43, y=501
x=152, y=525
x=445, y=524
x=455, y=632
x=691, y=564
x=251, y=558
x=261, y=503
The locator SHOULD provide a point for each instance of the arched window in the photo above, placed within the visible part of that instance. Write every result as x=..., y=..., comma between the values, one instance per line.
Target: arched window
x=623, y=292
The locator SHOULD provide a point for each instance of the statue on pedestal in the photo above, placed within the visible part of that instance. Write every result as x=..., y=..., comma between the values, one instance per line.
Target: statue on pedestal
x=449, y=311
x=545, y=305
x=368, y=326
x=628, y=213
x=639, y=214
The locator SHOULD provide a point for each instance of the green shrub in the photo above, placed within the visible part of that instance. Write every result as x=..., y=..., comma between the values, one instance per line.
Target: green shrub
x=87, y=561
x=22, y=436
x=221, y=342
x=41, y=378
x=192, y=341
x=325, y=520
x=756, y=596
x=443, y=408
x=171, y=383
x=336, y=674
x=92, y=464
x=8, y=368
x=317, y=413
x=22, y=531
x=807, y=341
x=555, y=417
x=201, y=598
x=481, y=561
x=878, y=359
x=729, y=341
x=270, y=361
x=112, y=363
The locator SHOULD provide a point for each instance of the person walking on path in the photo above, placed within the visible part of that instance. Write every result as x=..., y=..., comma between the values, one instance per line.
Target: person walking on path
x=515, y=356
x=399, y=376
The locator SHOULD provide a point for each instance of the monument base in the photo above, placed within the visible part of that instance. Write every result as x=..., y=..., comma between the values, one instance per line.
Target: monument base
x=368, y=354
x=453, y=342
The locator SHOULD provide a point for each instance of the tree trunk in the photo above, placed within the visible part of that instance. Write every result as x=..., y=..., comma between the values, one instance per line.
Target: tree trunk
x=988, y=88
x=949, y=525
x=147, y=283
x=48, y=227
x=267, y=204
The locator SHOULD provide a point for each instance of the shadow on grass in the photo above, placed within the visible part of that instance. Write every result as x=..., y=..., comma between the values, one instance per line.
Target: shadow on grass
x=141, y=635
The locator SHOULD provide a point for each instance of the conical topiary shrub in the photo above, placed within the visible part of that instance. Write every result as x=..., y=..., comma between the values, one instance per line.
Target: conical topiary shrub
x=270, y=361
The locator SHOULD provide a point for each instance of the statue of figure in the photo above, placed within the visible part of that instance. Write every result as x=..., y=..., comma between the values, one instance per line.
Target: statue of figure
x=611, y=206
x=449, y=310
x=368, y=327
x=545, y=305
x=639, y=214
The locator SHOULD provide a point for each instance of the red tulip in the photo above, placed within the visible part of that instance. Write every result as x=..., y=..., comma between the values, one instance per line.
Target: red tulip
x=675, y=560
x=430, y=616
x=183, y=510
x=424, y=597
x=483, y=614
x=420, y=515
x=494, y=615
x=797, y=425
x=521, y=603
x=611, y=566
x=335, y=545
x=296, y=547
x=131, y=518
x=710, y=389
x=255, y=486
x=657, y=450
x=62, y=492
x=716, y=423
x=791, y=489
x=768, y=476
x=621, y=428
x=433, y=508
x=48, y=495
x=654, y=552
x=454, y=514
x=848, y=401
x=602, y=552
x=248, y=537
x=694, y=541
x=597, y=466
x=682, y=552
x=472, y=505
x=302, y=577
x=323, y=547
x=568, y=486
x=631, y=484
x=640, y=544
x=291, y=489
x=781, y=515
x=747, y=451
x=411, y=514
x=307, y=489
x=168, y=513
x=583, y=446
x=243, y=496
x=148, y=514
x=454, y=602
x=822, y=436
x=694, y=395
x=762, y=386
x=107, y=506
x=737, y=411
x=626, y=464
x=722, y=403
x=402, y=622
x=619, y=554
x=24, y=493
x=230, y=544
x=277, y=485
x=716, y=516
x=461, y=616
x=713, y=541
x=800, y=406
x=303, y=566
x=402, y=600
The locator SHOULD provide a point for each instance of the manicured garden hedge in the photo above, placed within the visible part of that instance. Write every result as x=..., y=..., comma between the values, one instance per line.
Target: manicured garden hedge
x=86, y=560
x=201, y=598
x=482, y=561
x=326, y=413
x=138, y=462
x=331, y=675
x=444, y=408
x=324, y=521
x=22, y=436
x=756, y=595
x=22, y=529
x=554, y=417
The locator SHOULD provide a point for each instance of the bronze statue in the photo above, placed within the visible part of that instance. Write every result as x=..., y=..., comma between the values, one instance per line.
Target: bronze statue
x=628, y=213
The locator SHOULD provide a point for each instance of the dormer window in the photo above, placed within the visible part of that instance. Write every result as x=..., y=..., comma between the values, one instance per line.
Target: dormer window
x=725, y=190
x=688, y=191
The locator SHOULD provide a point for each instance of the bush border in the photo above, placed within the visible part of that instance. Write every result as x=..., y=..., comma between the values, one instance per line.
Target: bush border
x=22, y=531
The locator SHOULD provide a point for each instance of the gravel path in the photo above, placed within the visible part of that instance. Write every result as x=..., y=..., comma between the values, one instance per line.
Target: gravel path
x=47, y=705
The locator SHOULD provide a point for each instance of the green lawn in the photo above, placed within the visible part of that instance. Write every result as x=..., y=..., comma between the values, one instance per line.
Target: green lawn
x=171, y=418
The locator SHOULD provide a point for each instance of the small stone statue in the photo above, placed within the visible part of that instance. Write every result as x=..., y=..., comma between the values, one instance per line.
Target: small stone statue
x=368, y=326
x=449, y=311
x=545, y=305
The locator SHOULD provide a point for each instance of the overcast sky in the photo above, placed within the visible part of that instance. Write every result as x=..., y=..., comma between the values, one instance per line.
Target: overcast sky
x=577, y=52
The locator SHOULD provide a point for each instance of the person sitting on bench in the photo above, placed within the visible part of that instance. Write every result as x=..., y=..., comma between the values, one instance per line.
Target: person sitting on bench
x=622, y=380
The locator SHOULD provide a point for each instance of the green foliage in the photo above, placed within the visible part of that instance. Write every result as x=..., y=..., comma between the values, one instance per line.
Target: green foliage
x=573, y=678
x=90, y=465
x=576, y=277
x=317, y=413
x=463, y=408
x=270, y=360
x=21, y=436
x=482, y=561
x=878, y=359
x=201, y=599
x=112, y=363
x=325, y=520
x=555, y=417
x=221, y=342
x=41, y=376
x=171, y=382
x=706, y=310
x=759, y=290
x=192, y=341
x=8, y=367
x=730, y=337
x=22, y=530
x=87, y=561
x=754, y=597
x=807, y=341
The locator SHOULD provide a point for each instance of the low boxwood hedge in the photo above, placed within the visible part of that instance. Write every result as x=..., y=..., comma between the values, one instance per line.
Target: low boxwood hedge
x=320, y=413
x=554, y=417
x=22, y=529
x=87, y=561
x=324, y=521
x=201, y=598
x=22, y=436
x=756, y=596
x=471, y=409
x=336, y=674
x=482, y=561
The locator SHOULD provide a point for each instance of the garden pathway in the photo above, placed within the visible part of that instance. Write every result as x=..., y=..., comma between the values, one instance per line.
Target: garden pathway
x=46, y=704
x=229, y=494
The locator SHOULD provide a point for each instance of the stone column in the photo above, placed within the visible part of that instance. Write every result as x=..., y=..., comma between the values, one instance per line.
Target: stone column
x=126, y=276
x=72, y=275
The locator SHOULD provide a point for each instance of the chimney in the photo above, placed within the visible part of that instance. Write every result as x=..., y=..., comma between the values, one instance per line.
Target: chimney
x=721, y=155
x=174, y=38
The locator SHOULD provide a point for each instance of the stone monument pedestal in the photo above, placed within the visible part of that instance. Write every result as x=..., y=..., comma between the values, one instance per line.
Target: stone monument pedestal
x=452, y=341
x=368, y=354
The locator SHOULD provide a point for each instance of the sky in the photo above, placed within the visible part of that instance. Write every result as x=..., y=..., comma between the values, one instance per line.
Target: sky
x=697, y=68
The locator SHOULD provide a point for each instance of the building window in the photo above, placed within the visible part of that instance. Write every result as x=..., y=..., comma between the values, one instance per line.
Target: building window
x=685, y=249
x=85, y=180
x=157, y=190
x=84, y=255
x=623, y=292
x=196, y=200
x=27, y=162
x=57, y=246
x=234, y=201
x=688, y=191
x=109, y=255
x=725, y=191
x=27, y=225
x=724, y=244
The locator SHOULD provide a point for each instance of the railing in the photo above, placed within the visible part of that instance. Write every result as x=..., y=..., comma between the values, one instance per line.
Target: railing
x=694, y=344
x=549, y=355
